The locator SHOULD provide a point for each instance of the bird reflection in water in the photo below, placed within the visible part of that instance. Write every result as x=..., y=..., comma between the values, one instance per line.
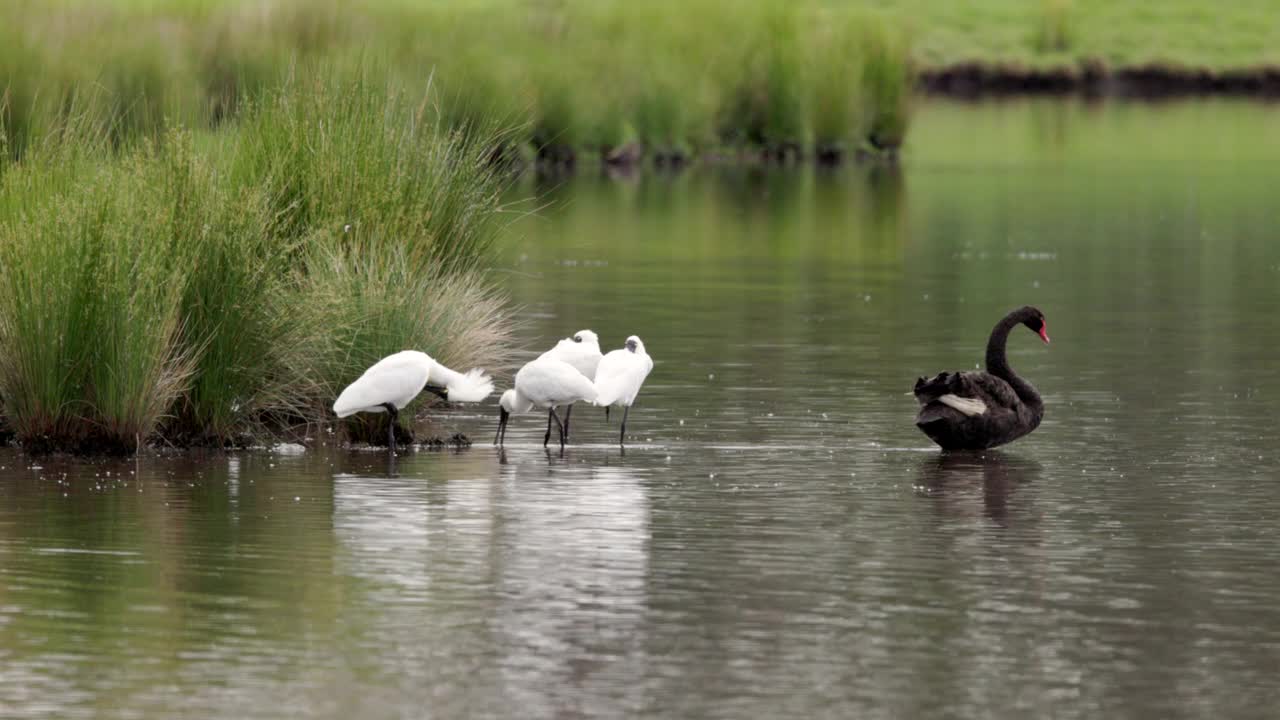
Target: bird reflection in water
x=950, y=477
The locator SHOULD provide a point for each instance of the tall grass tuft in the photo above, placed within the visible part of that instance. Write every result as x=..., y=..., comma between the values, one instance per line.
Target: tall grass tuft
x=1055, y=27
x=387, y=216
x=216, y=287
x=765, y=104
x=575, y=75
x=89, y=290
x=837, y=104
x=888, y=81
x=346, y=152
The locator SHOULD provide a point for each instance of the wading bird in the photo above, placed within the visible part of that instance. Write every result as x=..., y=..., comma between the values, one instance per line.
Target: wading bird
x=581, y=351
x=395, y=380
x=619, y=377
x=977, y=410
x=543, y=383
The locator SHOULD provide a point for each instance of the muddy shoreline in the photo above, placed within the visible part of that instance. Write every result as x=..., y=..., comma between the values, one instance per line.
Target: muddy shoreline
x=1094, y=78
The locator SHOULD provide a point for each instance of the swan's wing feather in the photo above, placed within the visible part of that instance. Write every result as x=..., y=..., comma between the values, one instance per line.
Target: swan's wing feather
x=968, y=406
x=990, y=389
x=978, y=386
x=928, y=390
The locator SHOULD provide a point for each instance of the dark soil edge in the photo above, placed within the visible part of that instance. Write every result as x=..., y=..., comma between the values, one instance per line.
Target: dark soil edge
x=1095, y=78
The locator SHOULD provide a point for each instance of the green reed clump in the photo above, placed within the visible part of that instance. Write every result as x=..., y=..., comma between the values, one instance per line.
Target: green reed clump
x=127, y=77
x=838, y=109
x=764, y=104
x=575, y=75
x=345, y=152
x=387, y=217
x=213, y=288
x=336, y=166
x=1054, y=27
x=887, y=81
x=233, y=303
x=90, y=280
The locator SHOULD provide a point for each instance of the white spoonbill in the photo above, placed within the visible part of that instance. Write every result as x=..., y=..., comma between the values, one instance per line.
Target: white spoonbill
x=395, y=380
x=543, y=383
x=619, y=377
x=581, y=351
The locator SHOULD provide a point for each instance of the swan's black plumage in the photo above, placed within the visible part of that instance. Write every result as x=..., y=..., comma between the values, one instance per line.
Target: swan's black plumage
x=1011, y=406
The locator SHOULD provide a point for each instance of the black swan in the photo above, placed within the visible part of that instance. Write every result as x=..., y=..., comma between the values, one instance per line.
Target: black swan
x=976, y=410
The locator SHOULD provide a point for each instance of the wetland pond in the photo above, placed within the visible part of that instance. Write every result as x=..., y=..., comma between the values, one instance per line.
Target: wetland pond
x=778, y=539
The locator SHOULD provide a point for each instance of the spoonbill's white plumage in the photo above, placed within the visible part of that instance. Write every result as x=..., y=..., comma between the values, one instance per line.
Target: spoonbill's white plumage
x=581, y=351
x=395, y=380
x=543, y=383
x=619, y=377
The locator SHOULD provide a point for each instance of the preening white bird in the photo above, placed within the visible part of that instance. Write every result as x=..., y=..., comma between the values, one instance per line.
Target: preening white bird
x=543, y=383
x=581, y=351
x=619, y=377
x=395, y=380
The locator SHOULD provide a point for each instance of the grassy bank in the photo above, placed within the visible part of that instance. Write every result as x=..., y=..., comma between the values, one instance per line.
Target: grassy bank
x=1171, y=47
x=212, y=287
x=1188, y=33
x=611, y=78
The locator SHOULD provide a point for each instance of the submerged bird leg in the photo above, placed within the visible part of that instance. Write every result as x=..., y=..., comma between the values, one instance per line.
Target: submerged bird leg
x=622, y=437
x=567, y=412
x=606, y=413
x=547, y=438
x=391, y=426
x=559, y=425
x=504, y=417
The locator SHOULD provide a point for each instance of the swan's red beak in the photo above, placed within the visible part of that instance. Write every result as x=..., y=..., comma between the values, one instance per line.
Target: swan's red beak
x=1044, y=334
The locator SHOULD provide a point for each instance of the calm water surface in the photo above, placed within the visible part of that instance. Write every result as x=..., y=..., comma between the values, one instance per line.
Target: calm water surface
x=778, y=539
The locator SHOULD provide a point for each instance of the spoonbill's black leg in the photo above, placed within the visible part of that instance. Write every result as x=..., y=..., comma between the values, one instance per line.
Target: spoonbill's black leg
x=559, y=425
x=622, y=438
x=547, y=438
x=391, y=426
x=606, y=413
x=504, y=417
x=567, y=412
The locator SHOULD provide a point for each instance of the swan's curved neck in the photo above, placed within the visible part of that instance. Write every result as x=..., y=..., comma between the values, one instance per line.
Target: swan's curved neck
x=998, y=362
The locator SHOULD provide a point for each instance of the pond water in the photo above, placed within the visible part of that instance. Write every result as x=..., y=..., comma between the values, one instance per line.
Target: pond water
x=778, y=539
